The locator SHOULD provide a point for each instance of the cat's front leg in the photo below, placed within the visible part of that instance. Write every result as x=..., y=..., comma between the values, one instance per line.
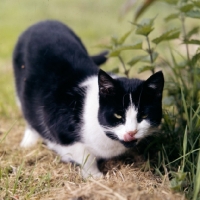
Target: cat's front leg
x=79, y=154
x=89, y=167
x=30, y=138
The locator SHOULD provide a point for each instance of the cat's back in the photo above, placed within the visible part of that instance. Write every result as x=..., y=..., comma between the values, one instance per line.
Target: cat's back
x=51, y=46
x=53, y=37
x=50, y=62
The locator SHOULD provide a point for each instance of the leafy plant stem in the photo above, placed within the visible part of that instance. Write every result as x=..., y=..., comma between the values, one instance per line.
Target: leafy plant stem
x=184, y=36
x=124, y=66
x=150, y=52
x=191, y=76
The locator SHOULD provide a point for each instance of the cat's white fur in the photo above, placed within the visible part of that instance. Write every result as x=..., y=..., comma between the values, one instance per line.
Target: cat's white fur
x=95, y=144
x=30, y=138
x=78, y=153
x=93, y=132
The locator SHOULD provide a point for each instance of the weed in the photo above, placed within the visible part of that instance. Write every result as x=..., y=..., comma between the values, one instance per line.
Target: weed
x=178, y=144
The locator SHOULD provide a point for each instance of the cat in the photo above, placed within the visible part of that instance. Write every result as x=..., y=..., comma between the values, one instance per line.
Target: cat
x=81, y=112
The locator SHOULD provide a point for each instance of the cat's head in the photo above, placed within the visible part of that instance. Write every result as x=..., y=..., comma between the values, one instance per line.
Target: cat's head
x=129, y=109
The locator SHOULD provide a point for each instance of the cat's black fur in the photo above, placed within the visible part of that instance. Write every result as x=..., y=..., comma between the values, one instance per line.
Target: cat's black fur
x=49, y=63
x=51, y=68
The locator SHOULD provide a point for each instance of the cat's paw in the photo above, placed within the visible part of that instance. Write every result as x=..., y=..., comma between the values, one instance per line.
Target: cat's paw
x=30, y=138
x=96, y=174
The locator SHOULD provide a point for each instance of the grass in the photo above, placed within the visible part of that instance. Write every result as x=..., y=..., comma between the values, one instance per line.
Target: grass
x=37, y=173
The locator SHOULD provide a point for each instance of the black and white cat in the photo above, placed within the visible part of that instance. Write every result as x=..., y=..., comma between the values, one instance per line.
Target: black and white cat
x=80, y=111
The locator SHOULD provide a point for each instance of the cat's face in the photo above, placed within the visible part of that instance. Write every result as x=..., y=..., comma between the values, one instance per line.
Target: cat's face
x=129, y=109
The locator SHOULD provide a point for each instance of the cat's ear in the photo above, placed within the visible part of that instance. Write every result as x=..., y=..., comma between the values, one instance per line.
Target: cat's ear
x=155, y=83
x=106, y=83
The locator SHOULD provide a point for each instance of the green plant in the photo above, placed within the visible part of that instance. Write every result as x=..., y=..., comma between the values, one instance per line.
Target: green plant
x=178, y=145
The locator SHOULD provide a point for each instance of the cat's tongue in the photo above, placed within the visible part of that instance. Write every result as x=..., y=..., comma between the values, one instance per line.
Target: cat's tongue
x=128, y=137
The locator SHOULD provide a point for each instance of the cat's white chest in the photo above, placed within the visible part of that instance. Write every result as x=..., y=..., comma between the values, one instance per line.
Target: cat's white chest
x=93, y=135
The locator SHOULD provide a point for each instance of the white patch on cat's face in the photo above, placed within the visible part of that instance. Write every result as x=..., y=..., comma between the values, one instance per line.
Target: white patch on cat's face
x=131, y=125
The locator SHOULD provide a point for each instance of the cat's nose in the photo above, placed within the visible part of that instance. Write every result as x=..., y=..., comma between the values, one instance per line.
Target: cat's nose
x=132, y=133
x=129, y=136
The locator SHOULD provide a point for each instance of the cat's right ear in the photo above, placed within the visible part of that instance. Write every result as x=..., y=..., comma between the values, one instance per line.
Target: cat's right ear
x=106, y=84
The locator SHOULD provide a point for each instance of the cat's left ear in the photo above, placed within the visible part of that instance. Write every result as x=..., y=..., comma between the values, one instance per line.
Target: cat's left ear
x=106, y=84
x=155, y=83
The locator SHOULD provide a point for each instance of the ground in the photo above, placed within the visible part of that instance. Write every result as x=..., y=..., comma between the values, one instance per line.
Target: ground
x=38, y=173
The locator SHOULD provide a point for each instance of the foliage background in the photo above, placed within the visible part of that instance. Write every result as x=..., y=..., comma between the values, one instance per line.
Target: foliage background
x=95, y=23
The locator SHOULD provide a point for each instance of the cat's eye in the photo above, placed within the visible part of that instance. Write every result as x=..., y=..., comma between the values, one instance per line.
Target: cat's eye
x=144, y=116
x=117, y=116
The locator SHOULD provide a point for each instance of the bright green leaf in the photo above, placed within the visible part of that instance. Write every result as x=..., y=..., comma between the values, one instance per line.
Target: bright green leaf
x=114, y=40
x=145, y=68
x=171, y=17
x=124, y=37
x=193, y=14
x=182, y=175
x=197, y=42
x=114, y=53
x=144, y=30
x=186, y=8
x=145, y=58
x=118, y=50
x=194, y=31
x=145, y=27
x=135, y=60
x=148, y=58
x=177, y=182
x=147, y=21
x=171, y=34
x=115, y=70
x=194, y=59
x=159, y=39
x=175, y=185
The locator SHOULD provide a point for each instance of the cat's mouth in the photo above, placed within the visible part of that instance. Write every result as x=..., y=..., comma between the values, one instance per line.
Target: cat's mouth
x=129, y=144
x=130, y=136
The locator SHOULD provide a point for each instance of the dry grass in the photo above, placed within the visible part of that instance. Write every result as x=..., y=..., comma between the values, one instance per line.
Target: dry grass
x=38, y=173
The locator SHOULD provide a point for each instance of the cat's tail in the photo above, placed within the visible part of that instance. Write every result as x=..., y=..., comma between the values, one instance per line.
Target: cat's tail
x=100, y=58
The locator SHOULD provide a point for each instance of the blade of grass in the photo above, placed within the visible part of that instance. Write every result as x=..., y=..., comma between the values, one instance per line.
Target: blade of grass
x=184, y=149
x=185, y=108
x=6, y=133
x=19, y=171
x=197, y=179
x=196, y=112
x=182, y=156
